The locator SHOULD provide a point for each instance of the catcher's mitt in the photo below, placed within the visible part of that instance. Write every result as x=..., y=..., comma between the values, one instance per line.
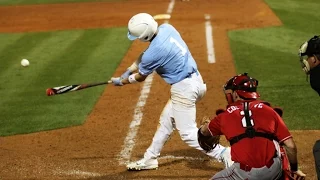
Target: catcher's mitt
x=207, y=143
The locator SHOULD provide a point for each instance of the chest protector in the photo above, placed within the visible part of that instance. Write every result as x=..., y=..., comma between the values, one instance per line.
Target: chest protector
x=250, y=131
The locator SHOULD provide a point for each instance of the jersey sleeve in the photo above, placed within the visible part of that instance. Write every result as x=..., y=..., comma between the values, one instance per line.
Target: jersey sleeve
x=148, y=63
x=281, y=131
x=214, y=126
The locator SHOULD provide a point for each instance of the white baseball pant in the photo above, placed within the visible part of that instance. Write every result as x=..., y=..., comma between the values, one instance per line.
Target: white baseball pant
x=180, y=113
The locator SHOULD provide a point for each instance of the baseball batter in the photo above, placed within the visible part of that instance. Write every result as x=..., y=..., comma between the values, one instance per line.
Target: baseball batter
x=169, y=56
x=254, y=131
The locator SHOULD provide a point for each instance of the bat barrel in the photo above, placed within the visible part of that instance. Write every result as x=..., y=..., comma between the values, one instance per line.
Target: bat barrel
x=71, y=88
x=49, y=92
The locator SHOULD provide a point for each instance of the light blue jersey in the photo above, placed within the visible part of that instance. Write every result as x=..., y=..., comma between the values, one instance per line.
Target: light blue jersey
x=168, y=55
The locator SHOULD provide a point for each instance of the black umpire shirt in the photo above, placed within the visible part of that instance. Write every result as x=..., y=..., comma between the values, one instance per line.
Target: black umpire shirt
x=315, y=79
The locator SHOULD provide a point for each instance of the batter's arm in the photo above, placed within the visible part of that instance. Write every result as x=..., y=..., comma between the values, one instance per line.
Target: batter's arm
x=135, y=66
x=137, y=76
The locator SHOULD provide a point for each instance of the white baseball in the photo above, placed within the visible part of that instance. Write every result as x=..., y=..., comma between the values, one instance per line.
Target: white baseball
x=25, y=62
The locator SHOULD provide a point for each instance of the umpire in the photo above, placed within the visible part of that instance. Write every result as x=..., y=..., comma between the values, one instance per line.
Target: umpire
x=311, y=66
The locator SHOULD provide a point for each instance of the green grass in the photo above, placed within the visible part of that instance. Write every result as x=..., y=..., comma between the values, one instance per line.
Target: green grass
x=271, y=56
x=27, y=2
x=56, y=58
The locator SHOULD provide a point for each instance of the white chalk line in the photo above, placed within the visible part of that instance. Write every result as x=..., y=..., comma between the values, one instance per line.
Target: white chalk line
x=210, y=44
x=129, y=141
x=78, y=173
x=86, y=174
x=170, y=7
x=182, y=157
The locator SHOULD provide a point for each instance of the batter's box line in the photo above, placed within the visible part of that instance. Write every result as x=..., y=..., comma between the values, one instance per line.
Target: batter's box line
x=77, y=173
x=182, y=157
x=188, y=158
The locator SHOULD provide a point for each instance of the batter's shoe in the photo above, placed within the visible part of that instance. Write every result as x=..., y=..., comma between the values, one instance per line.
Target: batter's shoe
x=225, y=157
x=143, y=164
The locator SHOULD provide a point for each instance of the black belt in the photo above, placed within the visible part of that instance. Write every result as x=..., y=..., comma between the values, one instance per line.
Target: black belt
x=190, y=74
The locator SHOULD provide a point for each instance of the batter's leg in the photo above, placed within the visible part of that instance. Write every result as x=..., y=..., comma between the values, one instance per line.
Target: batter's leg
x=316, y=154
x=164, y=130
x=184, y=96
x=187, y=127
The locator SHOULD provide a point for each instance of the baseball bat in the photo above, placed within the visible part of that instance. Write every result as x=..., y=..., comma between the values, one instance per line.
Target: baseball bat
x=70, y=88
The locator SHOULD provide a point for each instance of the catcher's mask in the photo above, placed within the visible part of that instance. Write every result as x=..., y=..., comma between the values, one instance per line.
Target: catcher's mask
x=244, y=85
x=309, y=48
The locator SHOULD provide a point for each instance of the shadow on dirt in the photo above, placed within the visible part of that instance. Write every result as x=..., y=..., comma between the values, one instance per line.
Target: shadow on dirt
x=193, y=161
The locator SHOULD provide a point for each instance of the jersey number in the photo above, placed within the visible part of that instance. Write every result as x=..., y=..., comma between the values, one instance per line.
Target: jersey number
x=183, y=50
x=243, y=120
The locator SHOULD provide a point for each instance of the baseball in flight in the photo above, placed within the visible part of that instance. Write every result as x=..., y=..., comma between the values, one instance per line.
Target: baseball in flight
x=25, y=62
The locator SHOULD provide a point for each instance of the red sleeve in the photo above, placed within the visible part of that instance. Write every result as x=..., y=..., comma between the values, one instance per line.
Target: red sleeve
x=281, y=131
x=214, y=126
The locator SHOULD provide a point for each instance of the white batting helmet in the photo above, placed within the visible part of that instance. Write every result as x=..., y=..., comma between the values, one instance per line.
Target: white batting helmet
x=142, y=26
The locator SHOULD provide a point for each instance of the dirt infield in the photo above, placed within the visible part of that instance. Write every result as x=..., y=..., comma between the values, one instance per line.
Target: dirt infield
x=91, y=151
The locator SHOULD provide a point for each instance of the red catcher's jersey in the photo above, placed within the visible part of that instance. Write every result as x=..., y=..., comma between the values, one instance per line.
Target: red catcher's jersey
x=257, y=151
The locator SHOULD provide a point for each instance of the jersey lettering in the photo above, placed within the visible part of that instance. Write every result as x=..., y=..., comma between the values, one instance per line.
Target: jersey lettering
x=183, y=50
x=232, y=108
x=258, y=105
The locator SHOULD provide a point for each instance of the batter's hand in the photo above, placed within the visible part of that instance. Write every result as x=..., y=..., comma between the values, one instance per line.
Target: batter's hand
x=116, y=81
x=126, y=74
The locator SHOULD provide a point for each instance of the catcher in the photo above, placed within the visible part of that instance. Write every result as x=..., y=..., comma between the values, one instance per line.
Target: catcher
x=255, y=132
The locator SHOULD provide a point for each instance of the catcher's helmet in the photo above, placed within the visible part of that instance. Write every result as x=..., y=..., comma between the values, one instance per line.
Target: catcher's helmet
x=244, y=85
x=142, y=26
